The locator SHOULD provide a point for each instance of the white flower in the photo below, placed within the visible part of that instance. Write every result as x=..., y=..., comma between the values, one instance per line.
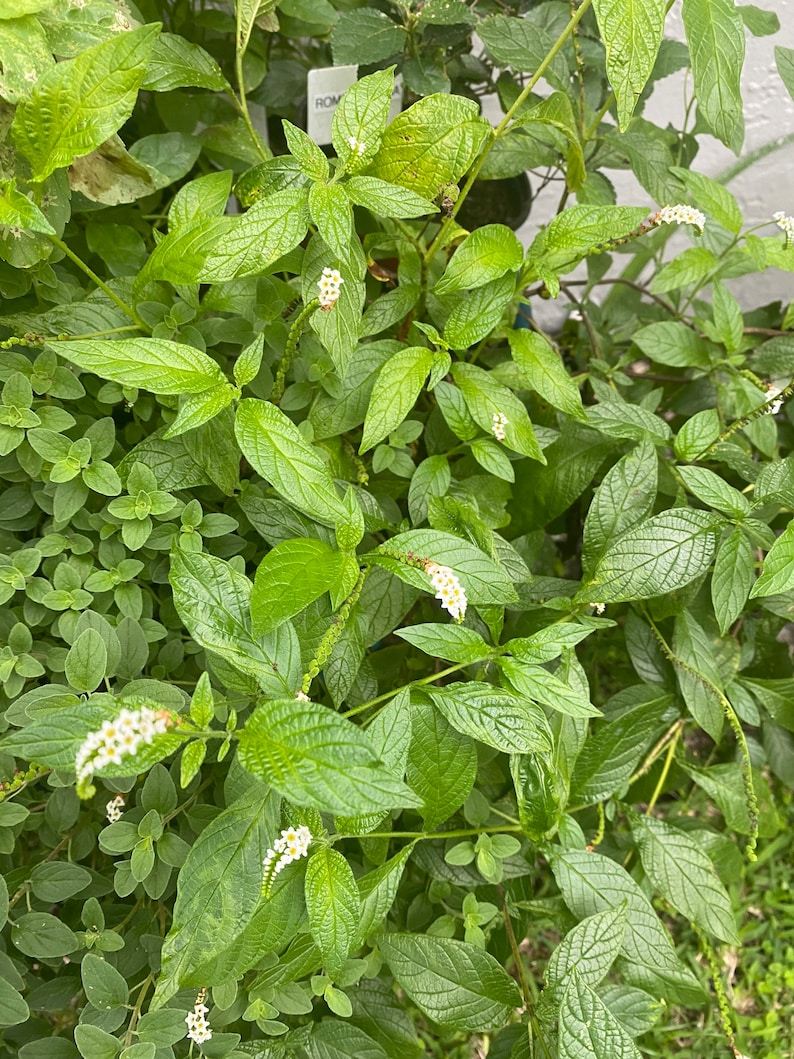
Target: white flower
x=330, y=284
x=599, y=608
x=119, y=738
x=448, y=589
x=680, y=215
x=356, y=146
x=198, y=1029
x=115, y=808
x=292, y=844
x=787, y=224
x=773, y=400
x=500, y=421
x=301, y=695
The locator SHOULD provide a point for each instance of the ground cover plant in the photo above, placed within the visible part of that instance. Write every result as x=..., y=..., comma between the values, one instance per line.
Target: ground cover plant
x=383, y=676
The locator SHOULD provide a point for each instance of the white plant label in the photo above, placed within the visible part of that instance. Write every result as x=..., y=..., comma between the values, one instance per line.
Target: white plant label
x=324, y=89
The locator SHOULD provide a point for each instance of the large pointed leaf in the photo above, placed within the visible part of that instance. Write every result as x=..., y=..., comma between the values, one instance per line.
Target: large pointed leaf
x=454, y=983
x=632, y=32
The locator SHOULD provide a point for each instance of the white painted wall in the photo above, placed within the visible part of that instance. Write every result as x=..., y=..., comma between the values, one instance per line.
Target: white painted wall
x=761, y=190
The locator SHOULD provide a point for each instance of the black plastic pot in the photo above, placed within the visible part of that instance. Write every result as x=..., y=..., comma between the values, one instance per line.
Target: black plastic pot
x=507, y=201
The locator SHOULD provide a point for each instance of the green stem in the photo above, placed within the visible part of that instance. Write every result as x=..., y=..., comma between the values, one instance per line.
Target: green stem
x=256, y=139
x=396, y=691
x=504, y=123
x=100, y=283
x=420, y=836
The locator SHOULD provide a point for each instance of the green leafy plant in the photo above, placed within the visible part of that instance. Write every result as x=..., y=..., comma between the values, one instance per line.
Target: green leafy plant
x=382, y=676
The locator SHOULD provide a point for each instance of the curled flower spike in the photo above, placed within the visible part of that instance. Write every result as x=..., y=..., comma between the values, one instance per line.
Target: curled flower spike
x=118, y=739
x=356, y=146
x=787, y=224
x=448, y=589
x=330, y=284
x=115, y=808
x=293, y=844
x=198, y=1029
x=500, y=421
x=680, y=215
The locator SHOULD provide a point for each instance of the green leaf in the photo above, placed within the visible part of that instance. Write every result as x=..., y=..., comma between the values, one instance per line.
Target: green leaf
x=682, y=872
x=104, y=986
x=591, y=883
x=697, y=434
x=712, y=197
x=692, y=265
x=13, y=1009
x=276, y=449
x=213, y=600
x=333, y=904
x=387, y=200
x=715, y=35
x=42, y=936
x=17, y=210
x=732, y=578
x=538, y=684
x=476, y=313
x=777, y=574
x=333, y=1039
x=493, y=716
x=153, y=364
x=590, y=948
x=365, y=37
x=673, y=343
x=76, y=105
x=588, y=1029
x=219, y=887
x=177, y=63
x=483, y=256
x=198, y=408
x=454, y=642
x=610, y=756
x=715, y=491
x=624, y=498
x=523, y=45
x=487, y=398
x=442, y=764
x=290, y=577
x=784, y=57
x=657, y=556
x=378, y=889
x=728, y=319
x=273, y=226
x=86, y=661
x=394, y=394
x=632, y=32
x=542, y=368
x=431, y=144
x=332, y=215
x=361, y=117
x=484, y=580
x=305, y=152
x=317, y=758
x=453, y=983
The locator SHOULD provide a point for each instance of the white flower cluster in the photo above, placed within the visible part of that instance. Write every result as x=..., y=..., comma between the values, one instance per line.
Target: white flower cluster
x=787, y=224
x=680, y=215
x=198, y=1029
x=356, y=146
x=115, y=808
x=301, y=695
x=448, y=589
x=599, y=608
x=500, y=421
x=119, y=738
x=773, y=400
x=330, y=284
x=292, y=845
